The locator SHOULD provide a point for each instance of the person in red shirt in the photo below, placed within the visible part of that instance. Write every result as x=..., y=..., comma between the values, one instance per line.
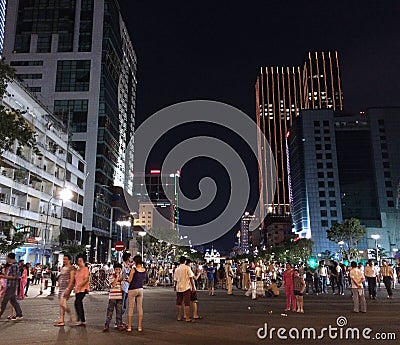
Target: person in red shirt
x=289, y=287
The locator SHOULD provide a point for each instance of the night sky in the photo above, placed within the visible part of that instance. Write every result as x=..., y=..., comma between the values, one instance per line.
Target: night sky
x=214, y=49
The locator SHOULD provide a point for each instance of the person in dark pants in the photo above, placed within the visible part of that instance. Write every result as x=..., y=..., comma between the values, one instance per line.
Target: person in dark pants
x=370, y=274
x=53, y=277
x=20, y=270
x=387, y=277
x=28, y=282
x=81, y=289
x=12, y=278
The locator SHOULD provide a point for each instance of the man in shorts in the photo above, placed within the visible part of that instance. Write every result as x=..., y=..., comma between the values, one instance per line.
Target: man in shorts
x=183, y=285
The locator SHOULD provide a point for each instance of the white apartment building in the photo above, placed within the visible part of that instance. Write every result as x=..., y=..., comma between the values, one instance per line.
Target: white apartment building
x=30, y=185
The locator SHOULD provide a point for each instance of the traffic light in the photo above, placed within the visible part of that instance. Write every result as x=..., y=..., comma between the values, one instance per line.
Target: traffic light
x=372, y=254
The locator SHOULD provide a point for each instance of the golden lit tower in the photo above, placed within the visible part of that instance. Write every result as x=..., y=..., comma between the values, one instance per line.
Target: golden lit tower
x=281, y=92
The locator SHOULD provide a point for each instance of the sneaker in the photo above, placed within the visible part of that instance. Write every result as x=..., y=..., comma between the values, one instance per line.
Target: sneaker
x=106, y=329
x=19, y=318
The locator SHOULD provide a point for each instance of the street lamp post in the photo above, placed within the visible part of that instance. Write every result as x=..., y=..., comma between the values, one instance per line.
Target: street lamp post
x=65, y=194
x=110, y=239
x=142, y=234
x=122, y=223
x=376, y=238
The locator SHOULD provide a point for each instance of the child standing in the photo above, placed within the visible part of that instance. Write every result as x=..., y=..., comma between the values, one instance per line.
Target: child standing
x=115, y=299
x=299, y=287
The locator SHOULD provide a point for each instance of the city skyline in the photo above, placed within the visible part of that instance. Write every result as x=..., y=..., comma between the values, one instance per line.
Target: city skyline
x=211, y=51
x=215, y=51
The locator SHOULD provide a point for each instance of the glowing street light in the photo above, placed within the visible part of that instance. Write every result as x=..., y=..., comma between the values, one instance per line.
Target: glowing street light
x=142, y=234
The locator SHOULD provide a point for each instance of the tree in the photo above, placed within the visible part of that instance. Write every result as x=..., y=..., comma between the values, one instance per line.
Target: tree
x=298, y=251
x=13, y=126
x=13, y=238
x=73, y=250
x=301, y=250
x=350, y=232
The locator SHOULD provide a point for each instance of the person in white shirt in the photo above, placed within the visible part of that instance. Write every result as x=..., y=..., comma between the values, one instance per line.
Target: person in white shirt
x=183, y=285
x=323, y=274
x=357, y=279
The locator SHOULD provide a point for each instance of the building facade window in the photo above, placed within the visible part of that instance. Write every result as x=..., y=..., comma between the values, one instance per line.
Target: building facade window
x=24, y=76
x=43, y=44
x=27, y=63
x=86, y=26
x=74, y=110
x=73, y=75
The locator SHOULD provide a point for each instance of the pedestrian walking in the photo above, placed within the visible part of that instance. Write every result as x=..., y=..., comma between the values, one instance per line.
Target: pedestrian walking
x=29, y=278
x=115, y=299
x=136, y=278
x=357, y=279
x=81, y=289
x=387, y=277
x=370, y=275
x=12, y=280
x=66, y=281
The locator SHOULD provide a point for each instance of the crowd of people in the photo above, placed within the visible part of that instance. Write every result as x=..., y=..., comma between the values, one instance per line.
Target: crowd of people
x=125, y=283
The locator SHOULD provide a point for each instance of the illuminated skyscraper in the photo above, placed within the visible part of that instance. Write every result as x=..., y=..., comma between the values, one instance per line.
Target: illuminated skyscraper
x=344, y=166
x=281, y=92
x=77, y=58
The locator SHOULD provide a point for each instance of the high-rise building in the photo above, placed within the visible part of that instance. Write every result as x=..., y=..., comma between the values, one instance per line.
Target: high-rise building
x=245, y=235
x=344, y=166
x=158, y=200
x=281, y=92
x=77, y=58
x=3, y=4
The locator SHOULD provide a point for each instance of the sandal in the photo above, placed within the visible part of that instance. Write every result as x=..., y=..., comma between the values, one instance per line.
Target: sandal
x=58, y=324
x=197, y=318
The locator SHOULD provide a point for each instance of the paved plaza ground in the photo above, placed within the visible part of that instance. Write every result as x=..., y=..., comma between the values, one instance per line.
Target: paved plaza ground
x=230, y=320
